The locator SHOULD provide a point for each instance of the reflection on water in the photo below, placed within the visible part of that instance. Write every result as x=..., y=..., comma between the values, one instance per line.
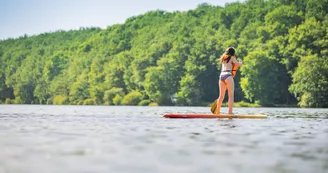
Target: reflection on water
x=137, y=139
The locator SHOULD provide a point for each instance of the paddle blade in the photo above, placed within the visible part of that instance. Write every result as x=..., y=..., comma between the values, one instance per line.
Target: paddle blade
x=213, y=107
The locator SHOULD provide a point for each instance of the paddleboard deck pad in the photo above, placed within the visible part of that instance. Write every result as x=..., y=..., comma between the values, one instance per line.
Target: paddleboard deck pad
x=193, y=115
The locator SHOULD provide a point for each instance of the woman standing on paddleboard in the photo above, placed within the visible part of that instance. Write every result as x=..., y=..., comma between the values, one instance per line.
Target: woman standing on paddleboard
x=228, y=71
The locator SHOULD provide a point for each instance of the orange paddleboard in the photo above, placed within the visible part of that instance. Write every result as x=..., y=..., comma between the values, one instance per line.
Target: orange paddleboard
x=193, y=115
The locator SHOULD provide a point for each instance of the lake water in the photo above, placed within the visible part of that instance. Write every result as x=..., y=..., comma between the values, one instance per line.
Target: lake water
x=128, y=139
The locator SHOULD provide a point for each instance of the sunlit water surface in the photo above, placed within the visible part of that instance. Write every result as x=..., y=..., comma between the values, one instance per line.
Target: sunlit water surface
x=87, y=139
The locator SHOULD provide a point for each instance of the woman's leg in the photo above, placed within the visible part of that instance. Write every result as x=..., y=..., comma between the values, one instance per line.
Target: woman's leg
x=231, y=88
x=223, y=88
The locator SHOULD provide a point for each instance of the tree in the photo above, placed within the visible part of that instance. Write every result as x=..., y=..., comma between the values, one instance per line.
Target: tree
x=162, y=81
x=310, y=81
x=262, y=75
x=79, y=89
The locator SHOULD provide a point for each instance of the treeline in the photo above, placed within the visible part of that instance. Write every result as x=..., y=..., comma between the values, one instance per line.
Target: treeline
x=164, y=58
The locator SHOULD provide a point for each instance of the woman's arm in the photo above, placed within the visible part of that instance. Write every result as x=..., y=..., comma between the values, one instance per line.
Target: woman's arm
x=238, y=62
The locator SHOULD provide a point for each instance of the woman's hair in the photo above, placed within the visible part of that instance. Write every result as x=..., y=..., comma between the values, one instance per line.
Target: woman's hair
x=230, y=51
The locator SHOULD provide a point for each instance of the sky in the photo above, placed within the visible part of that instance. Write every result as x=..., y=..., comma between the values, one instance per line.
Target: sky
x=33, y=17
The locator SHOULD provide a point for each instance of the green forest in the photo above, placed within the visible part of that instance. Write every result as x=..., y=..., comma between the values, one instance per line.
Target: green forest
x=171, y=58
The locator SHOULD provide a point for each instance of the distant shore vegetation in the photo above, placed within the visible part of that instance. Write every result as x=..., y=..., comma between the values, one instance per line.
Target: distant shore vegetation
x=171, y=58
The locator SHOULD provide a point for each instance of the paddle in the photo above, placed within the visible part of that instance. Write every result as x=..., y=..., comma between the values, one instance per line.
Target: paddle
x=213, y=107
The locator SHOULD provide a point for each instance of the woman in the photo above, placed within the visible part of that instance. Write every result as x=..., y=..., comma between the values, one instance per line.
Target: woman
x=229, y=64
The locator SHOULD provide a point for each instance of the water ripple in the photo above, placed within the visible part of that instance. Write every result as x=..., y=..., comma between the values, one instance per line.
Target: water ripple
x=67, y=139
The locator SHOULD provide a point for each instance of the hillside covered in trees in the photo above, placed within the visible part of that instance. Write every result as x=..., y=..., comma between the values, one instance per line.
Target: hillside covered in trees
x=171, y=58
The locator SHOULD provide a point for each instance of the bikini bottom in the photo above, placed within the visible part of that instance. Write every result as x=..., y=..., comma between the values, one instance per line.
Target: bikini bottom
x=223, y=77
